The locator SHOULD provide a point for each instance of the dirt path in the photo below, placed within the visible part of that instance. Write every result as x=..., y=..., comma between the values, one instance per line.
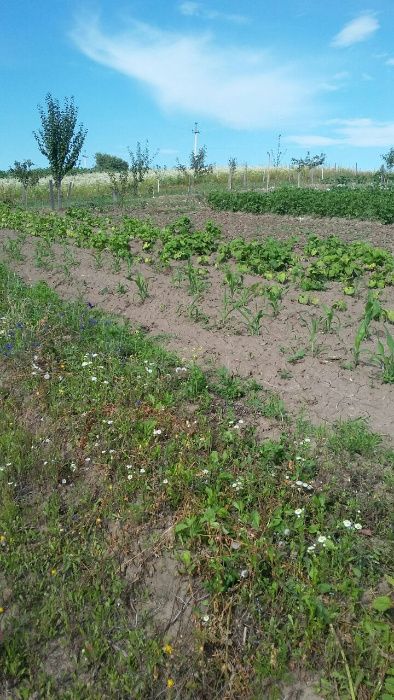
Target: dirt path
x=318, y=385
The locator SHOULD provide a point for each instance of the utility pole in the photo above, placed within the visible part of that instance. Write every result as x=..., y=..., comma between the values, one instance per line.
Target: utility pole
x=85, y=159
x=195, y=132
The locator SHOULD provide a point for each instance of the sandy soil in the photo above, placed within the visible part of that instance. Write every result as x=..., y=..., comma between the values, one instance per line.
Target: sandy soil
x=318, y=384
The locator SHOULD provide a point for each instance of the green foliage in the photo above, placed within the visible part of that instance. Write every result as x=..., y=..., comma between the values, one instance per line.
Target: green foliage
x=59, y=139
x=262, y=257
x=309, y=162
x=371, y=203
x=107, y=163
x=389, y=159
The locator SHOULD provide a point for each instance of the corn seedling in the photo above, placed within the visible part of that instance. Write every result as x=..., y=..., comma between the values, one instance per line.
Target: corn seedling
x=384, y=357
x=274, y=297
x=43, y=255
x=142, y=286
x=196, y=283
x=98, y=259
x=12, y=247
x=327, y=320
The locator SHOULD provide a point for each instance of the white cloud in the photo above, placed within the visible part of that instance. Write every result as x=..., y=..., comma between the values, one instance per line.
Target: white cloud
x=196, y=9
x=241, y=88
x=359, y=29
x=361, y=133
x=189, y=8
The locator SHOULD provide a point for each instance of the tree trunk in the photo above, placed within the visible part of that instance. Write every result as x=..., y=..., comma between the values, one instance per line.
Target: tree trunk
x=51, y=195
x=59, y=194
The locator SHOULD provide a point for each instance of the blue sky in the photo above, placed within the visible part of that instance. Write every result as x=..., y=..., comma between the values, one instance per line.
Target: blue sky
x=320, y=73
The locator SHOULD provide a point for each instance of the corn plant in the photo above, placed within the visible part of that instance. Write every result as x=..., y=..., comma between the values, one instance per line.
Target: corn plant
x=385, y=358
x=196, y=283
x=274, y=297
x=142, y=286
x=372, y=312
x=327, y=320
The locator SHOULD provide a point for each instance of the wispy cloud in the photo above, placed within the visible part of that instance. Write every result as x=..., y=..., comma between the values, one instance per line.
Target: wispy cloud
x=359, y=29
x=390, y=62
x=240, y=88
x=361, y=133
x=196, y=9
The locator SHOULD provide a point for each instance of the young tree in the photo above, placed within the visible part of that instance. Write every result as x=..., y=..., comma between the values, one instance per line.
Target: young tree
x=198, y=164
x=117, y=170
x=22, y=171
x=308, y=163
x=140, y=163
x=232, y=167
x=60, y=140
x=275, y=157
x=389, y=158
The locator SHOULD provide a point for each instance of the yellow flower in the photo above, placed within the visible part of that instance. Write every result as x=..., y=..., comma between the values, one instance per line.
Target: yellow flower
x=2, y=538
x=167, y=649
x=1, y=611
x=170, y=683
x=53, y=572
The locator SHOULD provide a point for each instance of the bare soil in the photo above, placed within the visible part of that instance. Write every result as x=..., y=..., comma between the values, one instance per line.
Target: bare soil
x=317, y=385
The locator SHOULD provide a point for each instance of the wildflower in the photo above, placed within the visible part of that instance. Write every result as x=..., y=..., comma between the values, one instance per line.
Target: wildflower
x=94, y=379
x=73, y=466
x=167, y=649
x=170, y=682
x=86, y=364
x=180, y=369
x=205, y=471
x=358, y=526
x=157, y=432
x=311, y=548
x=142, y=471
x=244, y=573
x=347, y=523
x=205, y=618
x=64, y=481
x=106, y=382
x=47, y=375
x=53, y=572
x=165, y=481
x=298, y=512
x=321, y=539
x=129, y=476
x=286, y=532
x=1, y=611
